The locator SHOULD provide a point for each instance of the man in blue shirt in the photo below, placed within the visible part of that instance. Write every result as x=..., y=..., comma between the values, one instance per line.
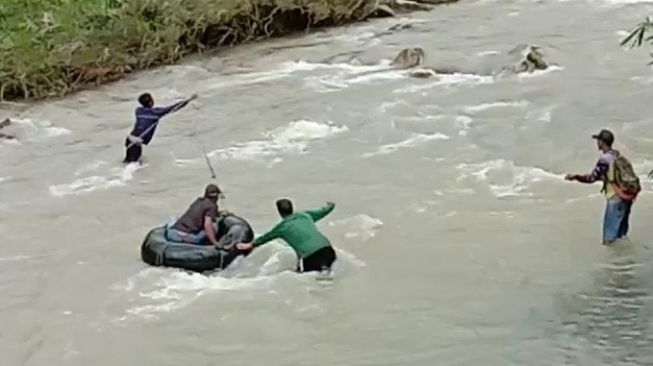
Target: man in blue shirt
x=147, y=118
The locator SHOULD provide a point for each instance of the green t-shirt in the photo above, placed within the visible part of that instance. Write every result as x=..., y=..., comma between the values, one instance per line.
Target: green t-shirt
x=299, y=231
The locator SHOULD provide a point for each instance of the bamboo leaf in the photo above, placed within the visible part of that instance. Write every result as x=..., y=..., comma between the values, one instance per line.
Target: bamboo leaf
x=632, y=35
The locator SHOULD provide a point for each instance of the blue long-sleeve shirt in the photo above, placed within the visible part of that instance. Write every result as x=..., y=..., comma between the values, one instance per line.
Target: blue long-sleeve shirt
x=147, y=118
x=600, y=170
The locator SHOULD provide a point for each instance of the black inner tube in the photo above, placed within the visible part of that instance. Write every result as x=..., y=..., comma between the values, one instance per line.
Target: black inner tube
x=157, y=250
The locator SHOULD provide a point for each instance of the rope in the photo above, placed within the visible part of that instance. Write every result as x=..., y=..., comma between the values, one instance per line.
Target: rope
x=201, y=145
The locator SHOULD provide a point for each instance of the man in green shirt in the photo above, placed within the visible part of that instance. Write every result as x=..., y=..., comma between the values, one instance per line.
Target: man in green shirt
x=313, y=249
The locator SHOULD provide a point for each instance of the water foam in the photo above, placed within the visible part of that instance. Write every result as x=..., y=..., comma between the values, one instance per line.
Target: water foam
x=361, y=227
x=386, y=106
x=325, y=83
x=642, y=168
x=350, y=74
x=166, y=290
x=170, y=291
x=289, y=68
x=486, y=53
x=37, y=130
x=293, y=66
x=382, y=75
x=118, y=178
x=622, y=2
x=588, y=197
x=292, y=138
x=538, y=73
x=463, y=123
x=644, y=80
x=415, y=140
x=447, y=80
x=14, y=142
x=92, y=166
x=159, y=290
x=498, y=104
x=355, y=38
x=519, y=178
x=351, y=258
x=15, y=258
x=250, y=78
x=542, y=115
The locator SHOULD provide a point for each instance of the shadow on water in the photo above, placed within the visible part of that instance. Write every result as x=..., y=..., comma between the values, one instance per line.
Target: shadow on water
x=609, y=322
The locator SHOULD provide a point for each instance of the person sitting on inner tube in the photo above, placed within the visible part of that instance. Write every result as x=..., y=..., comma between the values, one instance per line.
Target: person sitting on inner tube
x=196, y=224
x=313, y=249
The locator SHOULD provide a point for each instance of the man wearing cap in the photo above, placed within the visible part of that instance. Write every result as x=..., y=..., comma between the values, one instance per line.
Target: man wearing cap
x=196, y=224
x=617, y=210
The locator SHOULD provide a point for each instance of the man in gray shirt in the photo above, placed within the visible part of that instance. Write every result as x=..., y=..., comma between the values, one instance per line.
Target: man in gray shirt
x=195, y=226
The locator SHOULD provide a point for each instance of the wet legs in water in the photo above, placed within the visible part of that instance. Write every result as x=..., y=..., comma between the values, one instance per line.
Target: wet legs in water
x=615, y=220
x=133, y=153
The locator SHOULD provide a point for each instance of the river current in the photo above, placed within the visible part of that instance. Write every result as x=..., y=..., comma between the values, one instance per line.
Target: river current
x=459, y=242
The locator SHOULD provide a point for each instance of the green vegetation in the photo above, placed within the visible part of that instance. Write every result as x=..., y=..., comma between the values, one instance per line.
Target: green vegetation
x=55, y=47
x=640, y=35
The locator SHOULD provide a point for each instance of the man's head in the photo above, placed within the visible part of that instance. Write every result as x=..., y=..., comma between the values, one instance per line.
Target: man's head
x=146, y=100
x=284, y=206
x=604, y=140
x=212, y=192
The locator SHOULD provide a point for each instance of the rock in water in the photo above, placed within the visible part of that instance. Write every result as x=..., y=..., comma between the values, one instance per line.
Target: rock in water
x=3, y=135
x=524, y=58
x=408, y=58
x=383, y=10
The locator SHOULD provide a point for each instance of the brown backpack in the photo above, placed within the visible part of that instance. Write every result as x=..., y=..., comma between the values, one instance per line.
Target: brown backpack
x=625, y=177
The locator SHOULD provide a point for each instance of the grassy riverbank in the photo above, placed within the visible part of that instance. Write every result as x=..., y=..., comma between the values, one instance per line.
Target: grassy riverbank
x=55, y=47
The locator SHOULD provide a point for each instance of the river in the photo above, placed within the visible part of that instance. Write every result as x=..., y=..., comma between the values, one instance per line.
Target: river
x=459, y=242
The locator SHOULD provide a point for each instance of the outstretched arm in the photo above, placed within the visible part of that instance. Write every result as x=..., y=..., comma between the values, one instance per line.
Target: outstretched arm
x=318, y=214
x=600, y=169
x=162, y=111
x=269, y=236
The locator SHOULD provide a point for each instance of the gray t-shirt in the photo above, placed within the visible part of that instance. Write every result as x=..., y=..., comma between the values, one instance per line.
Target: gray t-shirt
x=192, y=221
